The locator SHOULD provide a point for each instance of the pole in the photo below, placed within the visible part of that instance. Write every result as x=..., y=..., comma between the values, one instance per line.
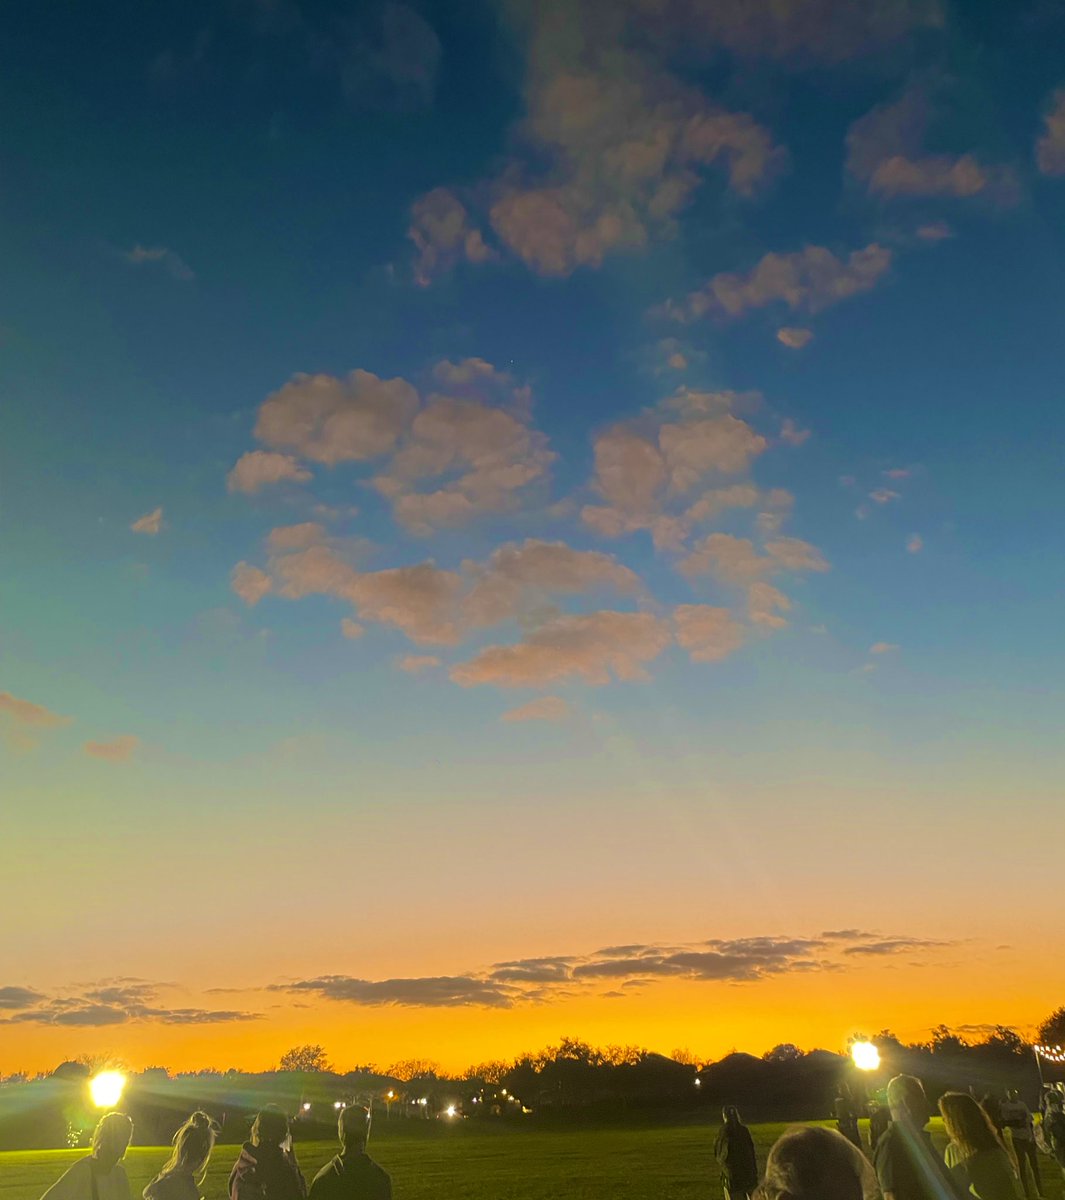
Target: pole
x=1038, y=1067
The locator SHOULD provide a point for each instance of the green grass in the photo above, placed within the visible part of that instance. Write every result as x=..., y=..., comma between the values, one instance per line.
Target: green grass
x=474, y=1162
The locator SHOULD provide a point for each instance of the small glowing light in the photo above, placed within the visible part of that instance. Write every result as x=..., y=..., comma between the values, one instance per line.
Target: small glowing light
x=391, y=1095
x=451, y=1110
x=865, y=1055
x=306, y=1108
x=504, y=1091
x=106, y=1088
x=338, y=1104
x=423, y=1101
x=698, y=1081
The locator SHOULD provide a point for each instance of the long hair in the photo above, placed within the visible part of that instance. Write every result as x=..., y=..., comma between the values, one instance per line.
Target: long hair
x=113, y=1133
x=809, y=1162
x=193, y=1144
x=967, y=1125
x=731, y=1115
x=270, y=1127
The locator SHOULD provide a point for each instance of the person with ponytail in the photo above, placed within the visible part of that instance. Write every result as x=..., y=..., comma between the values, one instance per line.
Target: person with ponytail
x=182, y=1176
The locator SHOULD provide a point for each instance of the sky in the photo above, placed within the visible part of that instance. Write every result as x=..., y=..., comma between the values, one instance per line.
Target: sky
x=528, y=519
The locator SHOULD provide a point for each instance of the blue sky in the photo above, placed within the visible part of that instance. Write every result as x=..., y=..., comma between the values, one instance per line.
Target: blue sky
x=805, y=268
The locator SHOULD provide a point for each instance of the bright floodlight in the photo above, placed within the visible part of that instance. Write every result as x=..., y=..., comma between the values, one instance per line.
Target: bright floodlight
x=451, y=1110
x=106, y=1088
x=338, y=1103
x=865, y=1055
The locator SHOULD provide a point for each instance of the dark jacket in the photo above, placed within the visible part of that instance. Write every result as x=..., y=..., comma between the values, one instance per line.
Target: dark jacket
x=266, y=1173
x=908, y=1166
x=734, y=1150
x=351, y=1177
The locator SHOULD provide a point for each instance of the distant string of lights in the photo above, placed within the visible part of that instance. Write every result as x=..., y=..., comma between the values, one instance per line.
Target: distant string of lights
x=1053, y=1054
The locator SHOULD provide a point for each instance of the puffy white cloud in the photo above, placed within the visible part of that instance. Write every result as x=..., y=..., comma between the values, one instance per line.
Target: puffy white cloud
x=885, y=153
x=1050, y=148
x=808, y=280
x=260, y=468
x=708, y=634
x=794, y=336
x=544, y=708
x=331, y=420
x=250, y=583
x=151, y=523
x=117, y=750
x=593, y=648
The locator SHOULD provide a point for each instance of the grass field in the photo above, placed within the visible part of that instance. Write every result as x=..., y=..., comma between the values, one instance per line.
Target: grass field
x=468, y=1161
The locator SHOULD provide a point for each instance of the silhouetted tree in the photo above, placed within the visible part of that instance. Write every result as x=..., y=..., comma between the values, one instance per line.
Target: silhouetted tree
x=786, y=1052
x=305, y=1058
x=1052, y=1031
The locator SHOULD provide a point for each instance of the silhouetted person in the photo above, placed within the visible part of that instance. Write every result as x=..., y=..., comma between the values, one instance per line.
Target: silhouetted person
x=975, y=1154
x=879, y=1120
x=992, y=1105
x=182, y=1175
x=847, y=1118
x=1018, y=1120
x=267, y=1168
x=734, y=1150
x=907, y=1166
x=809, y=1162
x=352, y=1174
x=100, y=1175
x=1054, y=1126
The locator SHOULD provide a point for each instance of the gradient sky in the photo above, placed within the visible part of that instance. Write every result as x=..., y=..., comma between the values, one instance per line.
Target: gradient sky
x=528, y=519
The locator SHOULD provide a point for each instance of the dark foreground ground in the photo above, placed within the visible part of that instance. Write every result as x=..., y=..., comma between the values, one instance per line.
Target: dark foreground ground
x=437, y=1161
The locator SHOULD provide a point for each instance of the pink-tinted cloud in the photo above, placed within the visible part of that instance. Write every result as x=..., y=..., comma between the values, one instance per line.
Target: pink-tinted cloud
x=794, y=337
x=935, y=231
x=884, y=496
x=352, y=630
x=443, y=235
x=885, y=153
x=1050, y=148
x=593, y=648
x=151, y=523
x=708, y=634
x=262, y=468
x=250, y=583
x=736, y=560
x=792, y=435
x=331, y=420
x=765, y=603
x=295, y=537
x=808, y=280
x=415, y=664
x=544, y=708
x=117, y=750
x=914, y=543
x=28, y=714
x=882, y=648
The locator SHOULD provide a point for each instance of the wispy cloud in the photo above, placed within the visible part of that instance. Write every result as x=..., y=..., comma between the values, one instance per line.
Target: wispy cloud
x=545, y=708
x=1050, y=148
x=117, y=750
x=151, y=523
x=107, y=1003
x=170, y=262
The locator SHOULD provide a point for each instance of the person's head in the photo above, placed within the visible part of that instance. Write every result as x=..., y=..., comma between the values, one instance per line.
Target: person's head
x=270, y=1127
x=809, y=1162
x=907, y=1101
x=353, y=1128
x=193, y=1144
x=1013, y=1094
x=730, y=1114
x=1054, y=1100
x=111, y=1138
x=966, y=1123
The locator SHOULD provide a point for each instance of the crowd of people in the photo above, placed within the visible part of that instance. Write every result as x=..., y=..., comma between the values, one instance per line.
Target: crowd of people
x=991, y=1154
x=266, y=1167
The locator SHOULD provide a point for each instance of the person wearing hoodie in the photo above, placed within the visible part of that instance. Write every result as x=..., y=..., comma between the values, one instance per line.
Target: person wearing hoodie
x=100, y=1175
x=352, y=1174
x=266, y=1168
x=182, y=1176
